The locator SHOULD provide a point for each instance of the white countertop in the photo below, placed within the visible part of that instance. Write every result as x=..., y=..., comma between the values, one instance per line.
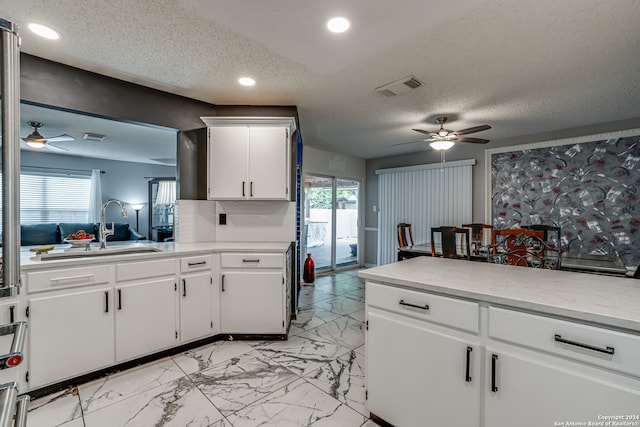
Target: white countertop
x=30, y=261
x=605, y=300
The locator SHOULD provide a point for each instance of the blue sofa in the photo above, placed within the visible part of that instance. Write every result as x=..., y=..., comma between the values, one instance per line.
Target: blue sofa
x=52, y=233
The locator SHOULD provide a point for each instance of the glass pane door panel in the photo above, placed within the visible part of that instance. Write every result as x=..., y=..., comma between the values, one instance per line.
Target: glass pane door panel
x=346, y=244
x=318, y=200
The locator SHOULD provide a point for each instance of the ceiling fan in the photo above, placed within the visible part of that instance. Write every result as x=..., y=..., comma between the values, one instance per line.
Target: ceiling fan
x=35, y=140
x=443, y=139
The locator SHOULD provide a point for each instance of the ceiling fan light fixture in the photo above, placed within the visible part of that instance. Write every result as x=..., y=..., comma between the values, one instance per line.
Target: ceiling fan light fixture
x=441, y=145
x=39, y=144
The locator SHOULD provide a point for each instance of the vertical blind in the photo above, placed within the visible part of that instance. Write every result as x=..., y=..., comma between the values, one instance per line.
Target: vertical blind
x=424, y=196
x=45, y=198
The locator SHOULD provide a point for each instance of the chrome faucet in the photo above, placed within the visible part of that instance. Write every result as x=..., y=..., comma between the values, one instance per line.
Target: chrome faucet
x=104, y=230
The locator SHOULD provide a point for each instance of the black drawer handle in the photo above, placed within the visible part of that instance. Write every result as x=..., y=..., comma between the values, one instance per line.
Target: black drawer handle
x=222, y=281
x=494, y=358
x=191, y=264
x=607, y=350
x=468, y=371
x=251, y=260
x=106, y=301
x=119, y=299
x=184, y=287
x=408, y=304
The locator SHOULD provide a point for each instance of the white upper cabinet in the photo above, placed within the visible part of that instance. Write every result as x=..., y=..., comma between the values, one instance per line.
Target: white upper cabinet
x=249, y=158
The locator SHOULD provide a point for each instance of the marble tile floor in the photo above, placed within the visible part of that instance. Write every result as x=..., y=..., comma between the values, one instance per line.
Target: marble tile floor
x=315, y=378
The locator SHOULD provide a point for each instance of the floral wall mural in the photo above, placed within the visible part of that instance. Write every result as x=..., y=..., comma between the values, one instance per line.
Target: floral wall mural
x=591, y=190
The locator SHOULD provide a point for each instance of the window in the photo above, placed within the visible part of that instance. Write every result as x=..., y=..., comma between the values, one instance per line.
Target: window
x=53, y=198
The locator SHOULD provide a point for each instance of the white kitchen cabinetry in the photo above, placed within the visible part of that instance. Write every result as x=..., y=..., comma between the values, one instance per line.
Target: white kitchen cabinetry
x=197, y=309
x=525, y=369
x=418, y=371
x=70, y=334
x=539, y=359
x=145, y=308
x=249, y=158
x=252, y=293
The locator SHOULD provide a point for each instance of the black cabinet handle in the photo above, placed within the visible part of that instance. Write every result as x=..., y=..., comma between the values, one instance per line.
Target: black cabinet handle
x=468, y=370
x=408, y=304
x=222, y=283
x=12, y=310
x=243, y=194
x=191, y=264
x=607, y=350
x=119, y=299
x=106, y=301
x=251, y=260
x=494, y=358
x=184, y=287
x=251, y=189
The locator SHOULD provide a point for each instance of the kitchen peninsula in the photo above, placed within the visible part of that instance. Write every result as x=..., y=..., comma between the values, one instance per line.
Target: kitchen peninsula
x=452, y=342
x=90, y=313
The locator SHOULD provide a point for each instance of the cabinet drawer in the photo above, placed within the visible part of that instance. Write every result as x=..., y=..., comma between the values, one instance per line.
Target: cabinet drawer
x=145, y=269
x=433, y=308
x=68, y=277
x=252, y=260
x=603, y=347
x=195, y=263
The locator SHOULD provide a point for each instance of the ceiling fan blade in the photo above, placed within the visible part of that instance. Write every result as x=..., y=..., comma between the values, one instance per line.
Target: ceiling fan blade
x=472, y=140
x=426, y=132
x=472, y=130
x=61, y=138
x=52, y=147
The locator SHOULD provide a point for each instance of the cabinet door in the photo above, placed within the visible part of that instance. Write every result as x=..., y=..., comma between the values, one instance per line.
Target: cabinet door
x=252, y=302
x=228, y=162
x=417, y=376
x=268, y=163
x=69, y=335
x=145, y=318
x=537, y=390
x=195, y=306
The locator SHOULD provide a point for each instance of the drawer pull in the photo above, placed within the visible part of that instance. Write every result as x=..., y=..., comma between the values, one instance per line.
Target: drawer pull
x=408, y=304
x=494, y=362
x=193, y=264
x=607, y=350
x=222, y=281
x=184, y=287
x=468, y=371
x=106, y=301
x=243, y=194
x=119, y=299
x=251, y=260
x=73, y=279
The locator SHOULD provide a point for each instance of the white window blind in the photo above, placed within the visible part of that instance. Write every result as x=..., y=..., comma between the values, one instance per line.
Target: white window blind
x=424, y=196
x=46, y=198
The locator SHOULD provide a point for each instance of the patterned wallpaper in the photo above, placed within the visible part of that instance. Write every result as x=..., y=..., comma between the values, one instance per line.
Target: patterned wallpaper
x=591, y=190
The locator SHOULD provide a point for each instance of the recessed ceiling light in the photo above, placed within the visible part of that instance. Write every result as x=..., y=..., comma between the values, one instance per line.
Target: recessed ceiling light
x=44, y=31
x=246, y=81
x=338, y=24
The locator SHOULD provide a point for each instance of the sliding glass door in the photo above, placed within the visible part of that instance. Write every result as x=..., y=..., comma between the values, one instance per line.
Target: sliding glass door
x=331, y=221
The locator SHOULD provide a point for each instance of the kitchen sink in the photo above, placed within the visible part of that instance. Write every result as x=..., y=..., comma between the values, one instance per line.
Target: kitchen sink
x=78, y=253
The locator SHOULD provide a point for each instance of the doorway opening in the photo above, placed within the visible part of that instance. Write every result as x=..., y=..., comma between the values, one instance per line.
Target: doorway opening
x=332, y=220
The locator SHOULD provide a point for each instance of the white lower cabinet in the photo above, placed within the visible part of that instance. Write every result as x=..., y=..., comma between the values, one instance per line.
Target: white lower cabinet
x=145, y=318
x=252, y=293
x=420, y=374
x=195, y=306
x=530, y=389
x=252, y=302
x=426, y=366
x=70, y=334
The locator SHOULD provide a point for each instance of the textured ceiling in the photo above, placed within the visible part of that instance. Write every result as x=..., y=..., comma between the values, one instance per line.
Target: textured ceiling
x=523, y=67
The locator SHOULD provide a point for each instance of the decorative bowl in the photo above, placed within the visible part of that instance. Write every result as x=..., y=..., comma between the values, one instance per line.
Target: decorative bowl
x=78, y=243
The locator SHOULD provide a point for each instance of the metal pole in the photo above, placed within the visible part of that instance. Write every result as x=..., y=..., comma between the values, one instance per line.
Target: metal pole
x=10, y=84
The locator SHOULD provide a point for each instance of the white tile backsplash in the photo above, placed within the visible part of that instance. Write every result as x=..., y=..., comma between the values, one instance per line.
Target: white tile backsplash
x=247, y=221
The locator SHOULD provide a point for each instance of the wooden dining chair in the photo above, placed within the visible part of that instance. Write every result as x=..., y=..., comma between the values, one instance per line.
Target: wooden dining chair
x=480, y=236
x=451, y=239
x=405, y=235
x=522, y=248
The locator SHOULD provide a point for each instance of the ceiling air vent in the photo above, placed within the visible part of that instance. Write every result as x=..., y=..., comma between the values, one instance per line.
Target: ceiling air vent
x=399, y=86
x=94, y=137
